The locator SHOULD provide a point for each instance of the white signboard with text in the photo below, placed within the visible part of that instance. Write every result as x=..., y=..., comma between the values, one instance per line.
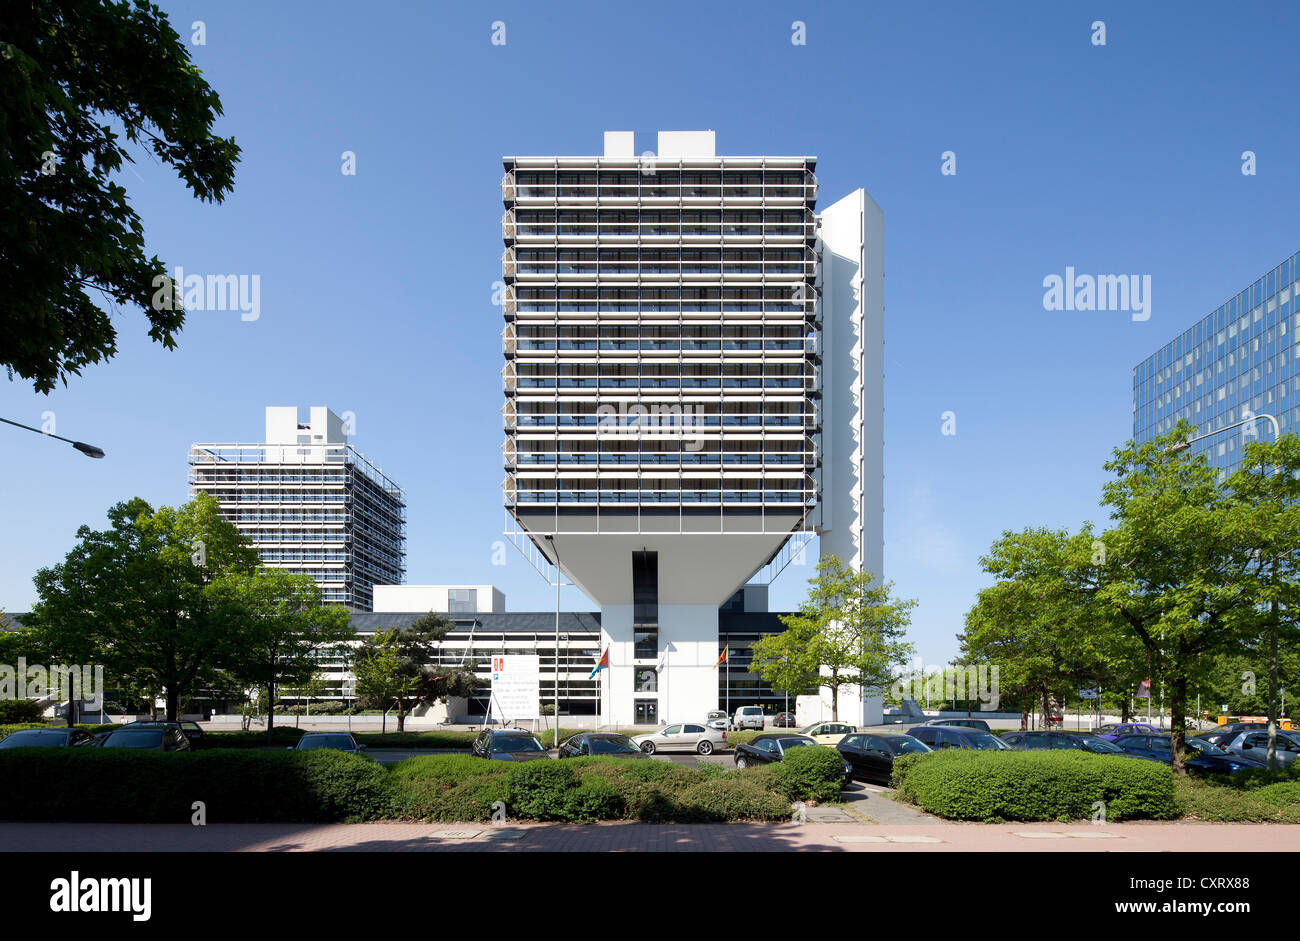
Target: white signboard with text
x=516, y=687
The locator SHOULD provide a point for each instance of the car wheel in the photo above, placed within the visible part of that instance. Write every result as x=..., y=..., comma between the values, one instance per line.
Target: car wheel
x=705, y=747
x=648, y=747
x=742, y=763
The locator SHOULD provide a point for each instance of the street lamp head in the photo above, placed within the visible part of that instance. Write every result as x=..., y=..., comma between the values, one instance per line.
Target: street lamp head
x=1177, y=447
x=88, y=449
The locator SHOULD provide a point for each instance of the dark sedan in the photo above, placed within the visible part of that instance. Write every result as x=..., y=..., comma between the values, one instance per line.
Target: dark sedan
x=1064, y=741
x=765, y=749
x=872, y=754
x=508, y=745
x=1224, y=734
x=940, y=737
x=1115, y=730
x=784, y=720
x=587, y=744
x=1202, y=756
x=161, y=737
x=48, y=738
x=332, y=741
x=191, y=730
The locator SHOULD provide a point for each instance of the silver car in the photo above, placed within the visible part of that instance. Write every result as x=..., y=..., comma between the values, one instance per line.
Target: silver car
x=1253, y=743
x=689, y=736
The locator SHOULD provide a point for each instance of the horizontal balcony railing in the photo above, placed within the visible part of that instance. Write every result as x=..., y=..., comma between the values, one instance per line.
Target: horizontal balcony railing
x=664, y=459
x=664, y=497
x=708, y=421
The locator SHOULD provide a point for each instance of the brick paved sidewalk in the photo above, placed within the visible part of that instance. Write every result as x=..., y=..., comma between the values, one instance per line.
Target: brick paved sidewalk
x=639, y=837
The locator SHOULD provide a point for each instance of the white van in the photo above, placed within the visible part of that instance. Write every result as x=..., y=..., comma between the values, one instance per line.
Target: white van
x=748, y=717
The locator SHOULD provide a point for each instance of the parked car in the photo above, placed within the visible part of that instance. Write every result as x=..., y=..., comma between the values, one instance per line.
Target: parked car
x=961, y=723
x=1064, y=741
x=939, y=737
x=48, y=738
x=773, y=746
x=689, y=736
x=1115, y=730
x=1253, y=743
x=783, y=720
x=871, y=754
x=1205, y=757
x=748, y=717
x=160, y=737
x=717, y=719
x=827, y=733
x=508, y=745
x=336, y=741
x=1226, y=733
x=190, y=729
x=600, y=743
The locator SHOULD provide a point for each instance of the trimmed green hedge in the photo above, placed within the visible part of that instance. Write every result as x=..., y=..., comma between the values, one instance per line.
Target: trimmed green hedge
x=7, y=730
x=810, y=773
x=1035, y=785
x=461, y=788
x=127, y=786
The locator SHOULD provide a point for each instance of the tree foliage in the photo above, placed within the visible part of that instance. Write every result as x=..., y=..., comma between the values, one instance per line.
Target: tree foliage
x=80, y=79
x=401, y=668
x=847, y=632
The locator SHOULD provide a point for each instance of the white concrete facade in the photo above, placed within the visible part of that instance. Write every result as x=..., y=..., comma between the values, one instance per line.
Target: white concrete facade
x=440, y=599
x=708, y=289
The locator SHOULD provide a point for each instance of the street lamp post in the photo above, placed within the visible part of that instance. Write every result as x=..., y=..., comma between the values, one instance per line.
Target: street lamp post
x=87, y=449
x=550, y=537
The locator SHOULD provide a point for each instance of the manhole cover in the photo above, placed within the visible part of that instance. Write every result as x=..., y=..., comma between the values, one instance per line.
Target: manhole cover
x=1038, y=835
x=1093, y=835
x=913, y=839
x=851, y=838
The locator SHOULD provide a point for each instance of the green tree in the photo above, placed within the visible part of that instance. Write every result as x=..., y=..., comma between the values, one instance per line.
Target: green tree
x=136, y=596
x=275, y=626
x=75, y=77
x=1265, y=493
x=1039, y=623
x=847, y=632
x=378, y=669
x=427, y=680
x=1176, y=565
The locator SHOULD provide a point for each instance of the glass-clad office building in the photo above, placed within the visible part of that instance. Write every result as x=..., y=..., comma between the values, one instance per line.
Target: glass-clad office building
x=1236, y=362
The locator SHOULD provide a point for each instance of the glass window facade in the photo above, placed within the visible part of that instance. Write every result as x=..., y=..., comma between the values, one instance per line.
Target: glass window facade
x=1239, y=357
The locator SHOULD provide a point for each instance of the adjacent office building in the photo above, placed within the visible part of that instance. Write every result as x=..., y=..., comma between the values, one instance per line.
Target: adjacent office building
x=1237, y=361
x=311, y=504
x=693, y=378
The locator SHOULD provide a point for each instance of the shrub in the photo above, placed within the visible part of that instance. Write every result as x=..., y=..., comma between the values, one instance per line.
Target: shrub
x=121, y=785
x=1036, y=785
x=593, y=799
x=18, y=711
x=810, y=773
x=537, y=789
x=737, y=798
x=448, y=769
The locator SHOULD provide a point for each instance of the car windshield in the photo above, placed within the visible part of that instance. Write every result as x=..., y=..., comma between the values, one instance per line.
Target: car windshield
x=1204, y=747
x=517, y=743
x=35, y=738
x=134, y=738
x=1099, y=745
x=343, y=742
x=788, y=743
x=906, y=746
x=614, y=746
x=984, y=741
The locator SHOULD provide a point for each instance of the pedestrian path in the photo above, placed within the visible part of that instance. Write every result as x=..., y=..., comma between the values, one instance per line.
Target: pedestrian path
x=644, y=837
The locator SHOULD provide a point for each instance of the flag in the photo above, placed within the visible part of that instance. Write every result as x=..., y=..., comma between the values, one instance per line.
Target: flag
x=601, y=664
x=1144, y=690
x=723, y=657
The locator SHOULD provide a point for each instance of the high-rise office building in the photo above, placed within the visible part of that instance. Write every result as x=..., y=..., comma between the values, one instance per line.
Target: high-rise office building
x=693, y=376
x=1237, y=362
x=311, y=504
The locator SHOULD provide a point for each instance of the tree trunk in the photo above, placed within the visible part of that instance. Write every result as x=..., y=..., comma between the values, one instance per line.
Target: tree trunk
x=173, y=704
x=835, y=698
x=401, y=716
x=1024, y=719
x=1178, y=719
x=1272, y=683
x=270, y=710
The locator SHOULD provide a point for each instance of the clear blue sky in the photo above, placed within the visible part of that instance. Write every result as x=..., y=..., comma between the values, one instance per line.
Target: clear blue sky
x=376, y=289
